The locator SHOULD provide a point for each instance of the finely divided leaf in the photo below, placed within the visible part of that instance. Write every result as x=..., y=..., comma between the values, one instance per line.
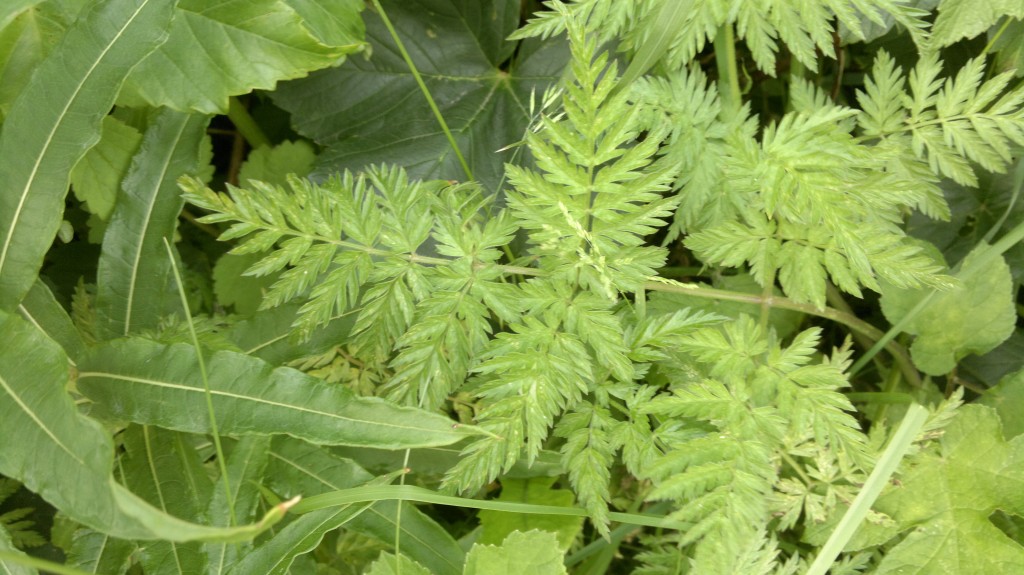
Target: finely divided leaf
x=135, y=379
x=56, y=119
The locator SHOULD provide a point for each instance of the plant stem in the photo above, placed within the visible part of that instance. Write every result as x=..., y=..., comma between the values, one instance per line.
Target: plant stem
x=849, y=320
x=211, y=414
x=246, y=125
x=879, y=478
x=728, y=77
x=423, y=88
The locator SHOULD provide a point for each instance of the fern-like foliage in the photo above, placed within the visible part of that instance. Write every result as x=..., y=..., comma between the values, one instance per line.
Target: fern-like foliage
x=353, y=241
x=698, y=144
x=731, y=441
x=14, y=523
x=813, y=204
x=586, y=210
x=804, y=27
x=947, y=123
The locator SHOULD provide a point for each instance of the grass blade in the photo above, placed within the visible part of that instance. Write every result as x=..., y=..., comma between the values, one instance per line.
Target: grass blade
x=887, y=464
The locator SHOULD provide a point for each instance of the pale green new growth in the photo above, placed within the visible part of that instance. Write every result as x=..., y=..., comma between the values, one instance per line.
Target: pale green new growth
x=804, y=27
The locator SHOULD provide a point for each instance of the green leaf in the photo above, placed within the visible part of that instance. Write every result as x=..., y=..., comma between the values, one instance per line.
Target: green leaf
x=275, y=556
x=135, y=379
x=373, y=111
x=96, y=178
x=222, y=48
x=233, y=288
x=99, y=553
x=959, y=19
x=29, y=29
x=785, y=322
x=135, y=287
x=67, y=458
x=333, y=22
x=246, y=466
x=56, y=119
x=272, y=165
x=298, y=467
x=388, y=564
x=1009, y=49
x=163, y=468
x=41, y=309
x=531, y=553
x=497, y=525
x=974, y=317
x=1007, y=398
x=269, y=335
x=13, y=8
x=7, y=566
x=946, y=500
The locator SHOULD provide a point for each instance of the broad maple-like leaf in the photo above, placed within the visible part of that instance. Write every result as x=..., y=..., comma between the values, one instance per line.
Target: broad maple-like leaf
x=372, y=111
x=948, y=498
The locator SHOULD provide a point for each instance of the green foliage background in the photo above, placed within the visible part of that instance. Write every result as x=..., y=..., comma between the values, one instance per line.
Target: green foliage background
x=488, y=287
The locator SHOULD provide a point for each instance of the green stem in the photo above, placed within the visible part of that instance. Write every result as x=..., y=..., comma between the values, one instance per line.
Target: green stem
x=423, y=88
x=728, y=76
x=995, y=38
x=766, y=293
x=879, y=478
x=246, y=125
x=798, y=469
x=1012, y=238
x=221, y=461
x=847, y=319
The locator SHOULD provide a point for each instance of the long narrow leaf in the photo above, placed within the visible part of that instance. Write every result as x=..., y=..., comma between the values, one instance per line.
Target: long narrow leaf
x=298, y=467
x=67, y=458
x=41, y=309
x=137, y=379
x=165, y=470
x=56, y=119
x=134, y=287
x=99, y=553
x=246, y=466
